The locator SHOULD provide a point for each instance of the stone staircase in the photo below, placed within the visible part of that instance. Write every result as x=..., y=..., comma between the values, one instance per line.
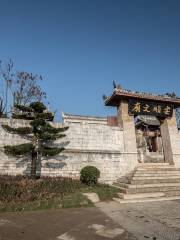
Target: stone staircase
x=149, y=182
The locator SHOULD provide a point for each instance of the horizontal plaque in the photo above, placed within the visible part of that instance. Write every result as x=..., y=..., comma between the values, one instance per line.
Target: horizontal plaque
x=138, y=107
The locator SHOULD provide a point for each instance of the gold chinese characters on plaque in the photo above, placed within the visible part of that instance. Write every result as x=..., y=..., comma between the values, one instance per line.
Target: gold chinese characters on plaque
x=138, y=107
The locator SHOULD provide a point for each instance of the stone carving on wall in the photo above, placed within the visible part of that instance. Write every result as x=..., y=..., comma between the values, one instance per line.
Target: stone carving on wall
x=141, y=145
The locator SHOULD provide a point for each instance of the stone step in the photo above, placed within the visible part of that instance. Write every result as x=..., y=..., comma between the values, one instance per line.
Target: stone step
x=155, y=175
x=153, y=164
x=146, y=199
x=154, y=189
x=9, y=165
x=149, y=181
x=151, y=185
x=172, y=193
x=157, y=169
x=8, y=161
x=141, y=195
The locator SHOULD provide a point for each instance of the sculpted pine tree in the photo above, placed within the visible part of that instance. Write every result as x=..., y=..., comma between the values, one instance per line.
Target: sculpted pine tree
x=40, y=133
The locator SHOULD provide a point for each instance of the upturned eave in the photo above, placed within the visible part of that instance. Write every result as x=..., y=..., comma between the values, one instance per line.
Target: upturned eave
x=120, y=94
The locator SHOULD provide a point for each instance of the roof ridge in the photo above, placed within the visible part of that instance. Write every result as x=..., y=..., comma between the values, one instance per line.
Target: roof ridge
x=147, y=94
x=81, y=116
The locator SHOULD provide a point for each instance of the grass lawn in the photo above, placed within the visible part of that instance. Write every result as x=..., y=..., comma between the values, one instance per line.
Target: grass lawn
x=22, y=194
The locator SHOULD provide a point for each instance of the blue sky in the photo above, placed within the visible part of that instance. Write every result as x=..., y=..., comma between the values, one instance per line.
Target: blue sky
x=81, y=46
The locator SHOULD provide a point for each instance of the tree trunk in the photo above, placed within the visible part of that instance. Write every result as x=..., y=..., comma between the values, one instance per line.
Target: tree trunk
x=33, y=164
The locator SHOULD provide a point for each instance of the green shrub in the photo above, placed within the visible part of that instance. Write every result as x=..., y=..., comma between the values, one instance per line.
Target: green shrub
x=89, y=175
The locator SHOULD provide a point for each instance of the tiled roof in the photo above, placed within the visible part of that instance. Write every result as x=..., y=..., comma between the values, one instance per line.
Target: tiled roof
x=119, y=94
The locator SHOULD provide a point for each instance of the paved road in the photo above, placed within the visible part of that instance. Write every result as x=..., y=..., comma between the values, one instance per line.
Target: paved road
x=64, y=224
x=153, y=220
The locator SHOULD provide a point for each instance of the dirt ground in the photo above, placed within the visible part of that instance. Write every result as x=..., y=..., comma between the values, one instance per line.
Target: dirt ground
x=65, y=224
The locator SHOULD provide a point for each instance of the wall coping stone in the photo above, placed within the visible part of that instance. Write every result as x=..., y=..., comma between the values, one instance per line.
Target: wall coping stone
x=97, y=151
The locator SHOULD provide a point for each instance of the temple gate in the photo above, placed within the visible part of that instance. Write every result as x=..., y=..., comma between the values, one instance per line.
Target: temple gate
x=149, y=125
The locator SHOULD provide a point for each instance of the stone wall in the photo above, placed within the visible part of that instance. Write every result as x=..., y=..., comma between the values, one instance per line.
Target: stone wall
x=93, y=142
x=11, y=165
x=174, y=139
x=177, y=150
x=88, y=141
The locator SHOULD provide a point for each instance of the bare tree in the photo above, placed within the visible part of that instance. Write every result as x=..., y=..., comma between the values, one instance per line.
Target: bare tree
x=27, y=88
x=18, y=88
x=2, y=107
